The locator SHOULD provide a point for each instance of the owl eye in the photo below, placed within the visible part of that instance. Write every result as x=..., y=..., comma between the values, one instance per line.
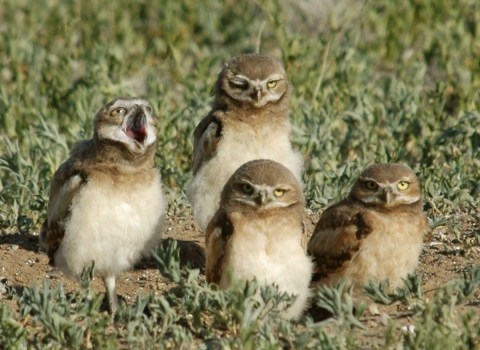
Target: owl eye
x=403, y=185
x=117, y=111
x=279, y=193
x=247, y=188
x=371, y=185
x=272, y=84
x=240, y=84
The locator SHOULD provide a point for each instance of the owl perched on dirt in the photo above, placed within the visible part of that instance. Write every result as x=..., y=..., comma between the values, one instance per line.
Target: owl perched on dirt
x=249, y=120
x=106, y=201
x=258, y=230
x=375, y=233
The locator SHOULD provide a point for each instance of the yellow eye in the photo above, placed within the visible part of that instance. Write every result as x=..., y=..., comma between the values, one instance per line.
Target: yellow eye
x=279, y=193
x=272, y=84
x=247, y=188
x=371, y=185
x=402, y=185
x=119, y=110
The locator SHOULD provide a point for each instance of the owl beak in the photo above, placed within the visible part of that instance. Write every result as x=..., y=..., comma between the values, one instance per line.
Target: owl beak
x=388, y=195
x=258, y=93
x=137, y=126
x=262, y=198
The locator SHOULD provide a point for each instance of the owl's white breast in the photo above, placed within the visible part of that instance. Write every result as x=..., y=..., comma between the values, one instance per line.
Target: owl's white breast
x=244, y=143
x=239, y=144
x=112, y=225
x=269, y=250
x=390, y=251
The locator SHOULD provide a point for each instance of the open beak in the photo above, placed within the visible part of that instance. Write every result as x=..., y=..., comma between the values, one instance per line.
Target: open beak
x=137, y=126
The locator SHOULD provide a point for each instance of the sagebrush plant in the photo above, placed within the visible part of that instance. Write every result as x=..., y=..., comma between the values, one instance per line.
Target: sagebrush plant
x=373, y=81
x=195, y=314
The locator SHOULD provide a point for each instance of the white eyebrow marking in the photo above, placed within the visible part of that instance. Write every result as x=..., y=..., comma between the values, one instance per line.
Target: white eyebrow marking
x=273, y=77
x=404, y=179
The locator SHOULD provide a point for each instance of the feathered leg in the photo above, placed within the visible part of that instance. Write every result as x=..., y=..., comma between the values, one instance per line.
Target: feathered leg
x=112, y=298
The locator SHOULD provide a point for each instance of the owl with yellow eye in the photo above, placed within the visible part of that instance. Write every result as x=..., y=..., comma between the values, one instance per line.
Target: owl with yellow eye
x=249, y=120
x=376, y=233
x=258, y=232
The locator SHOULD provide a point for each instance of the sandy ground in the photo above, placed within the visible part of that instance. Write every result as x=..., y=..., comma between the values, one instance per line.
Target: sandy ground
x=444, y=256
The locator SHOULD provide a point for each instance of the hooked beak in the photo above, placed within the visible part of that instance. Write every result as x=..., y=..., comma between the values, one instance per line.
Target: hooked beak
x=388, y=196
x=262, y=199
x=258, y=93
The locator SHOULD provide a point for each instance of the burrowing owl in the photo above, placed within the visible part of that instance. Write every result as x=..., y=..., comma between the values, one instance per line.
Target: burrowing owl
x=375, y=233
x=258, y=231
x=249, y=120
x=106, y=201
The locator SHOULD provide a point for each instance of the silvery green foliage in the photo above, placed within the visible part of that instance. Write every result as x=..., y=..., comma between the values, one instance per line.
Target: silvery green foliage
x=196, y=314
x=379, y=291
x=72, y=321
x=339, y=302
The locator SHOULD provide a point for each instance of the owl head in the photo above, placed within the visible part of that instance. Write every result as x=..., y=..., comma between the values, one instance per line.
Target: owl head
x=127, y=121
x=262, y=185
x=387, y=186
x=252, y=81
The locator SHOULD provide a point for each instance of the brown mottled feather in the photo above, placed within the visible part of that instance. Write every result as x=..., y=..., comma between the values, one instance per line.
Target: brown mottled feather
x=216, y=243
x=206, y=136
x=63, y=188
x=348, y=226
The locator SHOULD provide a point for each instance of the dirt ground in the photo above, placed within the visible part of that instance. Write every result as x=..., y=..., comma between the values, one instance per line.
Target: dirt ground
x=444, y=256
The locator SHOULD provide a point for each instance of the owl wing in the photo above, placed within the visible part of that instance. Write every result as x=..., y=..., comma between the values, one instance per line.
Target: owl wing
x=206, y=136
x=218, y=232
x=66, y=183
x=337, y=238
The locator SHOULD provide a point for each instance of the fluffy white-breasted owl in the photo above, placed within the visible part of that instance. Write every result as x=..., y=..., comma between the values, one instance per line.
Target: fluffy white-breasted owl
x=375, y=233
x=106, y=201
x=249, y=120
x=258, y=231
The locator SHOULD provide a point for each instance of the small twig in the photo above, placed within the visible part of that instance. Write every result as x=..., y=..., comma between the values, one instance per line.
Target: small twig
x=398, y=302
x=431, y=290
x=395, y=303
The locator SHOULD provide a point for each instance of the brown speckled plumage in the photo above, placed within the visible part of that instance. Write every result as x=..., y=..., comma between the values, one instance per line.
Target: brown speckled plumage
x=106, y=202
x=249, y=120
x=373, y=234
x=258, y=231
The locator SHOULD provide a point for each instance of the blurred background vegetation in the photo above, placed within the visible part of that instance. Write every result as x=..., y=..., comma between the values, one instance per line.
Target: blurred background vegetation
x=374, y=81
